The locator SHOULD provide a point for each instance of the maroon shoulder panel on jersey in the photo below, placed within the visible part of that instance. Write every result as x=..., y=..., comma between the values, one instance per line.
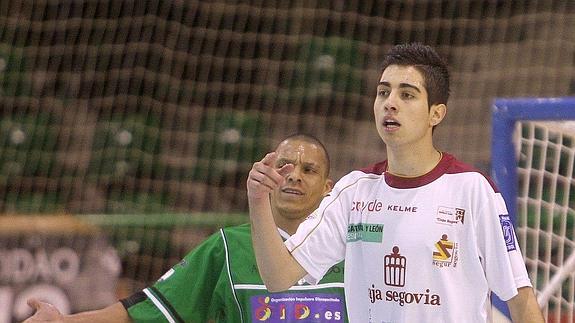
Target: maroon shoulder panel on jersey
x=448, y=165
x=461, y=167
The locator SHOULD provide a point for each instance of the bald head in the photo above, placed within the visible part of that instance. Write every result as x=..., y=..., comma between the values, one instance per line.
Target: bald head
x=312, y=141
x=305, y=186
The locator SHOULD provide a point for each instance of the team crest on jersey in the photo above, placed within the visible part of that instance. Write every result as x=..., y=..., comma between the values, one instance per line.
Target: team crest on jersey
x=450, y=215
x=508, y=233
x=446, y=253
x=394, y=266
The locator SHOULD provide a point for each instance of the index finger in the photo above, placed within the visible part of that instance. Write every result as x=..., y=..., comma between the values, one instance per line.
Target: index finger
x=33, y=303
x=270, y=159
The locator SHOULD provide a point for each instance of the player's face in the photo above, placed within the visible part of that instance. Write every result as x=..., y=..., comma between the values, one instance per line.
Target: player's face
x=306, y=185
x=402, y=115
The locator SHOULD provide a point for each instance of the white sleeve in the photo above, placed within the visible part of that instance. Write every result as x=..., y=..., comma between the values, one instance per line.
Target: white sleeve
x=503, y=264
x=320, y=240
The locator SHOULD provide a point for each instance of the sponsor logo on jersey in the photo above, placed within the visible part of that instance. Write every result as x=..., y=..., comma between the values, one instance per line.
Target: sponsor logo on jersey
x=367, y=232
x=394, y=266
x=508, y=233
x=402, y=208
x=446, y=254
x=377, y=206
x=394, y=269
x=370, y=206
x=402, y=298
x=290, y=307
x=450, y=215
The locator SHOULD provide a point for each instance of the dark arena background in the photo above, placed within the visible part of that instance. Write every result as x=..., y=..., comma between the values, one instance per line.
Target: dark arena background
x=128, y=127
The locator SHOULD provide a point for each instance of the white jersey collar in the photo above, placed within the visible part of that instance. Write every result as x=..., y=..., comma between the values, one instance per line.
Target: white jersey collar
x=284, y=234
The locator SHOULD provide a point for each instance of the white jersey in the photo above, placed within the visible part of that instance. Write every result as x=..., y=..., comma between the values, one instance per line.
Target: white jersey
x=425, y=249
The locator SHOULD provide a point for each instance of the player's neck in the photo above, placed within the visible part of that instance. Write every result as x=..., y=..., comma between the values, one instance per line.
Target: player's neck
x=289, y=225
x=413, y=162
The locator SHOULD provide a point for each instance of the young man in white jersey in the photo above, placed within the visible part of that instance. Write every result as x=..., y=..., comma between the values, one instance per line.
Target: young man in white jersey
x=425, y=237
x=219, y=282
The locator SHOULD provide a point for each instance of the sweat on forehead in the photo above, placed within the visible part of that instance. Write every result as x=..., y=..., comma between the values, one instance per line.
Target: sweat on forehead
x=299, y=145
x=295, y=146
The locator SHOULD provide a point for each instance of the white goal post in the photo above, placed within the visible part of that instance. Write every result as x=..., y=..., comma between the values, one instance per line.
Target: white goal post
x=533, y=161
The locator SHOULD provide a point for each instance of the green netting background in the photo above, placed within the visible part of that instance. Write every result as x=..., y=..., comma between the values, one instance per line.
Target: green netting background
x=136, y=114
x=161, y=106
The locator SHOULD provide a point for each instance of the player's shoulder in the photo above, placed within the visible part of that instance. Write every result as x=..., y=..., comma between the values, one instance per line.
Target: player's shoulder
x=371, y=172
x=457, y=167
x=236, y=233
x=237, y=242
x=448, y=163
x=231, y=232
x=241, y=228
x=375, y=169
x=354, y=180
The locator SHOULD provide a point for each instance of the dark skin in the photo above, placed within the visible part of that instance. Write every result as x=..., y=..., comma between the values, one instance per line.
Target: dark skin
x=306, y=182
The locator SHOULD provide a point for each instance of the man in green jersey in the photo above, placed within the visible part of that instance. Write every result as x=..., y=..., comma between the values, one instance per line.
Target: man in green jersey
x=219, y=280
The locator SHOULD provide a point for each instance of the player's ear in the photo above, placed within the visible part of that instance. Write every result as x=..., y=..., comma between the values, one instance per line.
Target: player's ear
x=436, y=114
x=328, y=186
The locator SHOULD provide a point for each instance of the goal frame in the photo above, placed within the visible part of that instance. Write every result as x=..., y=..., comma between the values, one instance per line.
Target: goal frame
x=505, y=115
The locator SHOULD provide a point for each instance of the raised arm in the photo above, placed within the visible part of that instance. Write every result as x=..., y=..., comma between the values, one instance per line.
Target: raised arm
x=45, y=312
x=278, y=269
x=524, y=308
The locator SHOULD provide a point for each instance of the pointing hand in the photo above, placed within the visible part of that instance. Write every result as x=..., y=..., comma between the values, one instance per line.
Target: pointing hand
x=264, y=177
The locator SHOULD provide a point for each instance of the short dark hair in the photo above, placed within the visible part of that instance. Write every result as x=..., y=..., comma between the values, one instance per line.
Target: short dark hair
x=312, y=140
x=428, y=62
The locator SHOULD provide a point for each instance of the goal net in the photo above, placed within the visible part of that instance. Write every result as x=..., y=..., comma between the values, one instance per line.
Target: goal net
x=533, y=163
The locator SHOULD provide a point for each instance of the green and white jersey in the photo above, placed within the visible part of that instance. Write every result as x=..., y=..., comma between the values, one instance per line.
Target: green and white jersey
x=219, y=281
